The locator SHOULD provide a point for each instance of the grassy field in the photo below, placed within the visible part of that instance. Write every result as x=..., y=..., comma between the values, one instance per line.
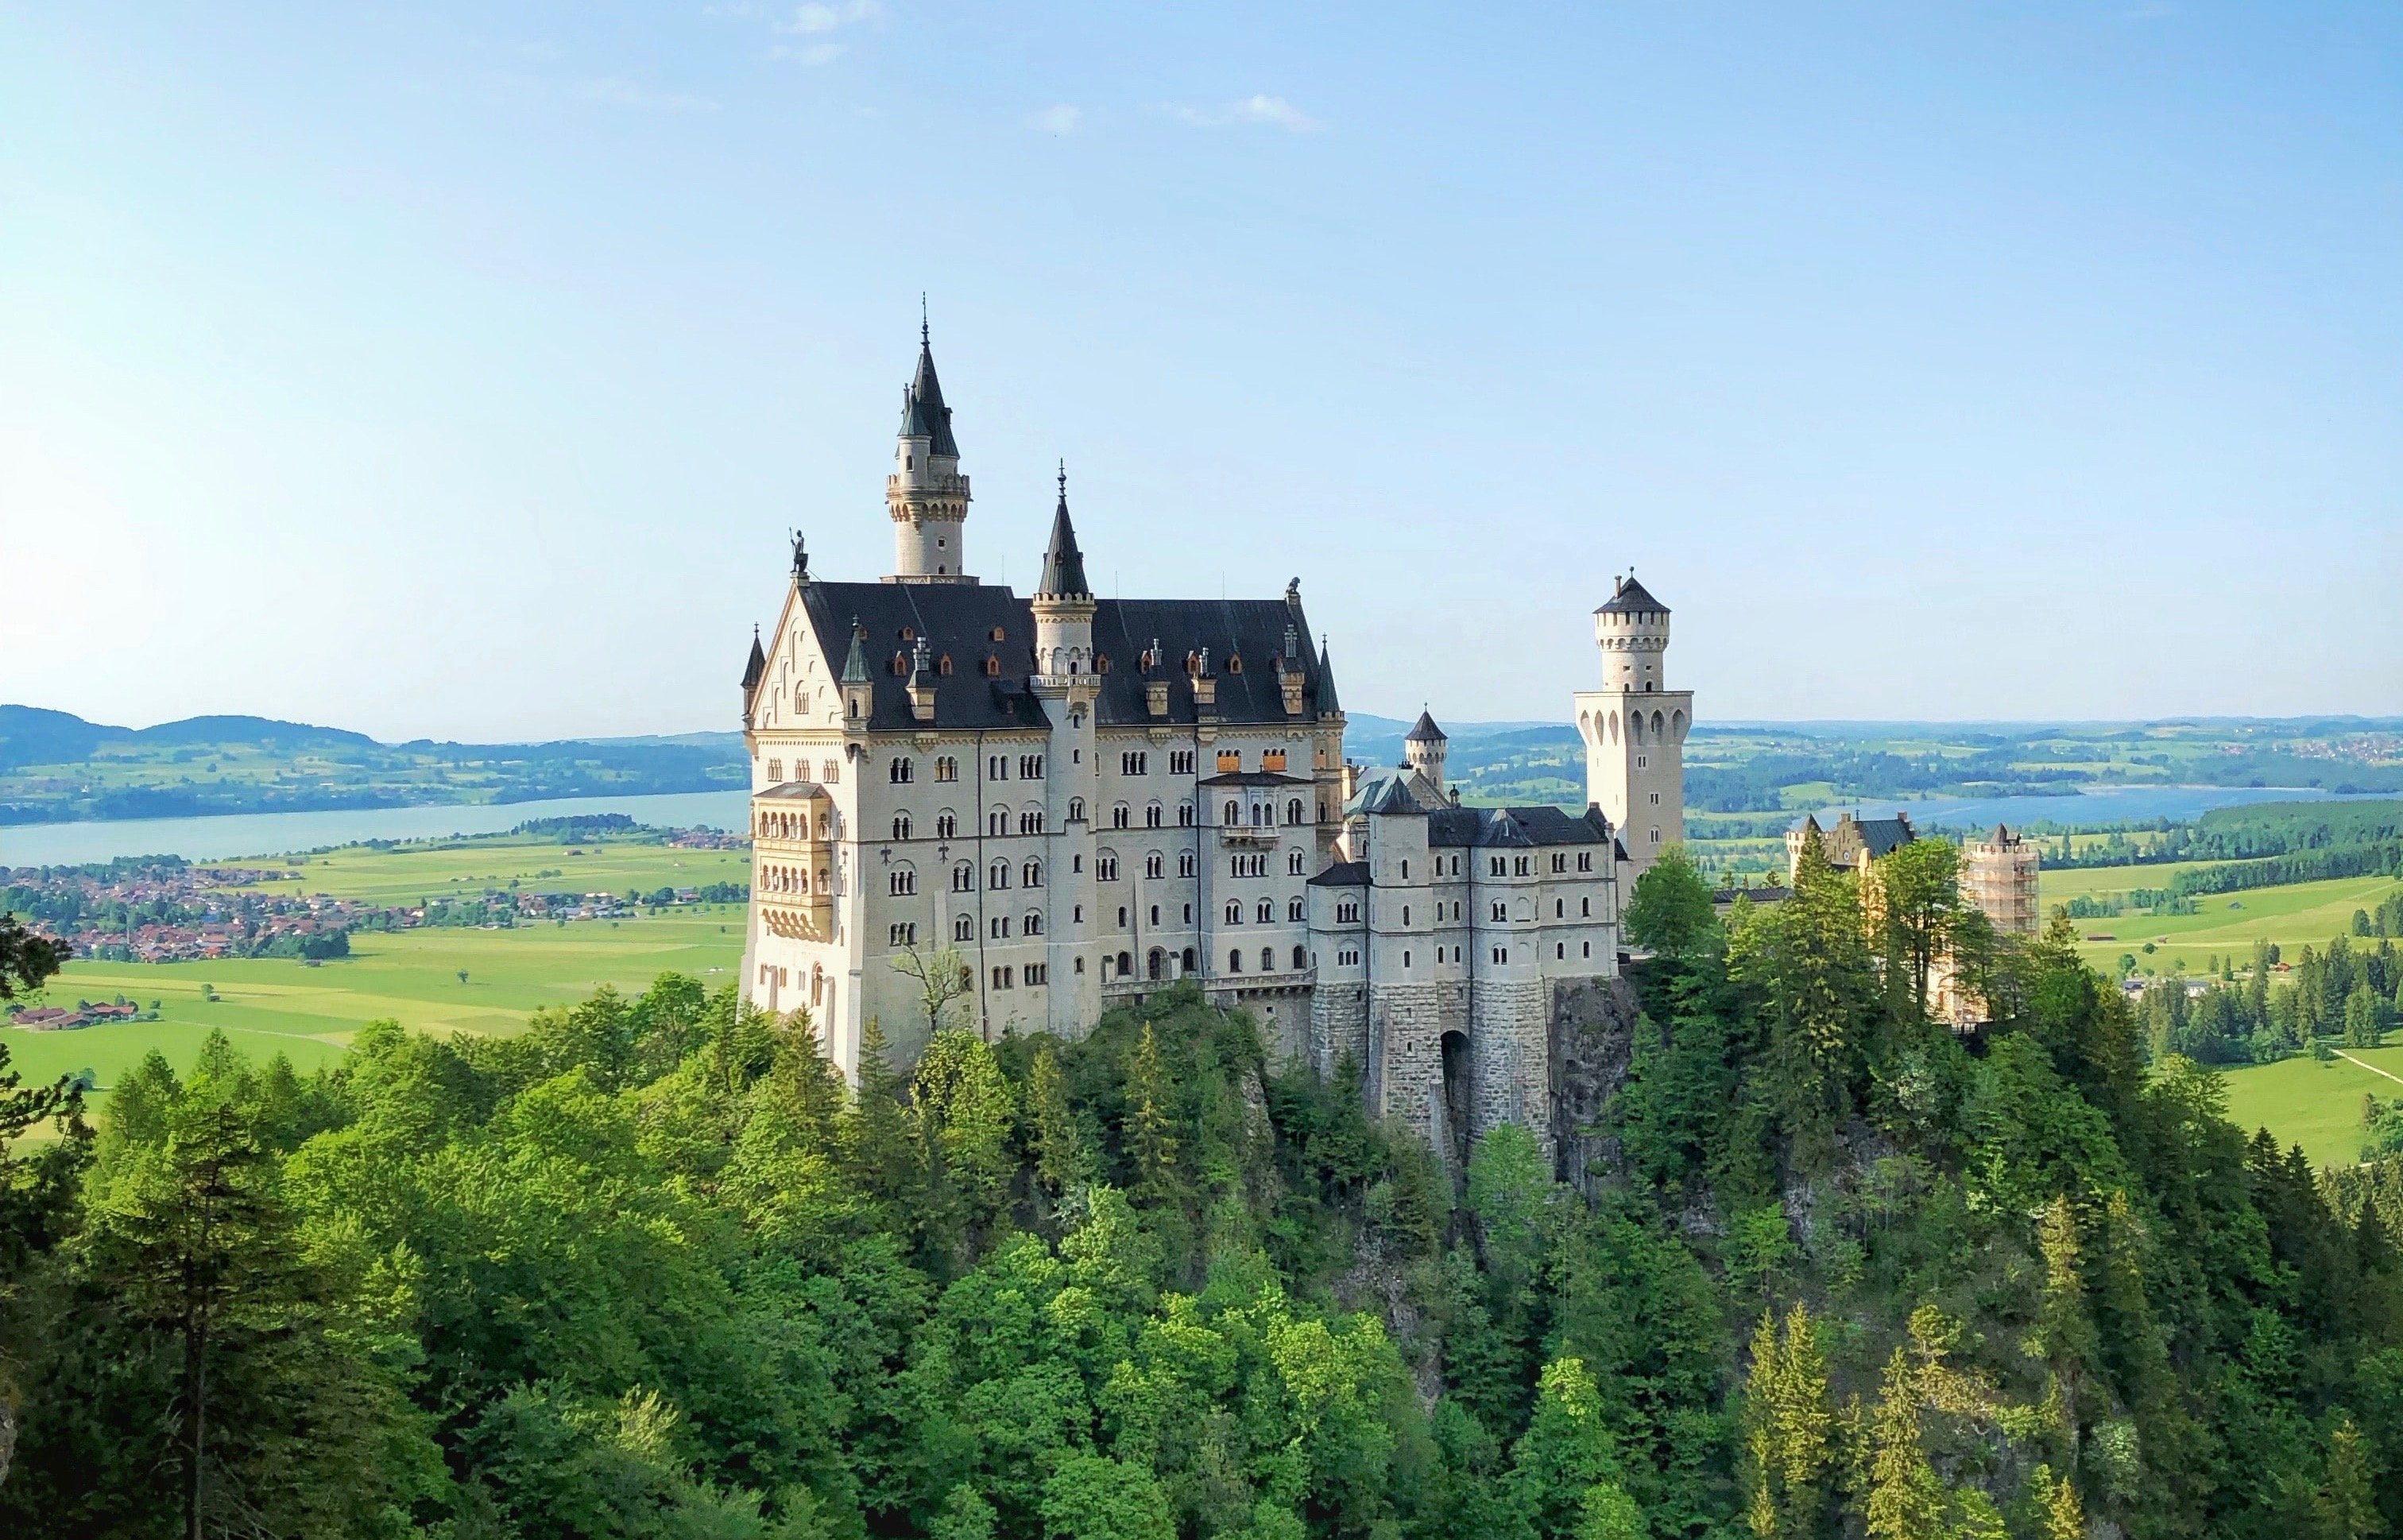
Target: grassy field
x=2291, y=916
x=308, y=1013
x=2316, y=1106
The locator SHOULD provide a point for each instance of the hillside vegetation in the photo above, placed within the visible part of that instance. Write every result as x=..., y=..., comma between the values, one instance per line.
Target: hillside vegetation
x=649, y=1270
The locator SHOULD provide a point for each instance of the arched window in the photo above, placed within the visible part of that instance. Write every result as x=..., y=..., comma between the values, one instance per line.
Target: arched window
x=1293, y=908
x=1075, y=809
x=1031, y=823
x=900, y=826
x=832, y=771
x=946, y=824
x=964, y=877
x=997, y=877
x=1033, y=925
x=1265, y=911
x=902, y=881
x=1234, y=911
x=901, y=771
x=1259, y=814
x=1151, y=816
x=962, y=929
x=1188, y=960
x=1126, y=964
x=1293, y=810
x=776, y=772
x=1267, y=960
x=1154, y=866
x=997, y=822
x=1155, y=963
x=1234, y=812
x=1300, y=959
x=1184, y=815
x=1031, y=875
x=1121, y=816
x=1234, y=960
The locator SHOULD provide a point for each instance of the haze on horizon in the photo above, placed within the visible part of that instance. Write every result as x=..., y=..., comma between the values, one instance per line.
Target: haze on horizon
x=455, y=372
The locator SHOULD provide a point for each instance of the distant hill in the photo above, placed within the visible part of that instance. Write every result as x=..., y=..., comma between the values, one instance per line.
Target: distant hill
x=55, y=766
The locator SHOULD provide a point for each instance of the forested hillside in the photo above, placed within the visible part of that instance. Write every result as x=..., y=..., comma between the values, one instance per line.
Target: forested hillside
x=649, y=1269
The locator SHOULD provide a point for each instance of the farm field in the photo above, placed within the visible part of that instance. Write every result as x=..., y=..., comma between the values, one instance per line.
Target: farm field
x=2317, y=1105
x=308, y=1013
x=2292, y=916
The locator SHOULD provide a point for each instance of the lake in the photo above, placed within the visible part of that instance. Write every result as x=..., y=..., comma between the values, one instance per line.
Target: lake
x=273, y=833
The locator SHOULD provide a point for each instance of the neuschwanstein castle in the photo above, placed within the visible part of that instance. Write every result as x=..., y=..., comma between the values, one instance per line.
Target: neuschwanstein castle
x=1078, y=800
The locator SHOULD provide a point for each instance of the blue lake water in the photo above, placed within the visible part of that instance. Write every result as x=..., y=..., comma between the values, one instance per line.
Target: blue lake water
x=2085, y=808
x=273, y=833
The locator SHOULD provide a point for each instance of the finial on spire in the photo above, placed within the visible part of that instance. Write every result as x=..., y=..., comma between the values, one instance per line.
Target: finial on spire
x=925, y=337
x=1063, y=482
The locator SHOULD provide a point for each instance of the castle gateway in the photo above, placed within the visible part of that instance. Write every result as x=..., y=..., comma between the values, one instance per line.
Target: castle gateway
x=1051, y=804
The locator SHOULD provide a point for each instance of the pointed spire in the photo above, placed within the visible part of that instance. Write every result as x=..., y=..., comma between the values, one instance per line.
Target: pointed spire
x=756, y=667
x=854, y=667
x=922, y=412
x=1328, y=704
x=1425, y=732
x=1064, y=565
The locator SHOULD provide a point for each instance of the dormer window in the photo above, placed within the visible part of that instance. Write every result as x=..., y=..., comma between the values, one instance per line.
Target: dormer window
x=996, y=634
x=1235, y=663
x=1101, y=662
x=991, y=666
x=943, y=665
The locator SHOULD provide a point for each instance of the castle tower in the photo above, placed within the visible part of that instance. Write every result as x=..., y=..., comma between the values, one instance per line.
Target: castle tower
x=1063, y=599
x=926, y=494
x=1065, y=681
x=1425, y=748
x=1634, y=730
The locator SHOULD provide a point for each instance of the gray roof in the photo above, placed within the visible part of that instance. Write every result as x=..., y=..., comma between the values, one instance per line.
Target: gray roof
x=960, y=622
x=1064, y=565
x=922, y=412
x=1518, y=827
x=1629, y=597
x=1883, y=835
x=1386, y=794
x=1343, y=874
x=1254, y=777
x=1325, y=681
x=1426, y=732
x=801, y=790
x=755, y=666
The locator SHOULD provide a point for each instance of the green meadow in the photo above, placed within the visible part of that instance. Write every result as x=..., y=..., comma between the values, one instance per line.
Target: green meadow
x=2300, y=914
x=308, y=1012
x=2313, y=1104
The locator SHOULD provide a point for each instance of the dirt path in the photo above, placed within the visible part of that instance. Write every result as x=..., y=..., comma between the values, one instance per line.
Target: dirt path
x=2371, y=1068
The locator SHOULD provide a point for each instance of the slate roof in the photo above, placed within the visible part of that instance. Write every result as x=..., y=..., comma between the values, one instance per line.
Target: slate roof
x=755, y=666
x=1630, y=597
x=1325, y=681
x=1880, y=836
x=1426, y=732
x=1254, y=777
x=797, y=790
x=959, y=619
x=1343, y=874
x=922, y=412
x=1516, y=826
x=1064, y=565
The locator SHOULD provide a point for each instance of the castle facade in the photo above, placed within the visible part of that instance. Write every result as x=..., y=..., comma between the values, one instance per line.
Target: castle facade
x=1010, y=814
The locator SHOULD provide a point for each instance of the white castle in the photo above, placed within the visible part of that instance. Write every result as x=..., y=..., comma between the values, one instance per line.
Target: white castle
x=1075, y=801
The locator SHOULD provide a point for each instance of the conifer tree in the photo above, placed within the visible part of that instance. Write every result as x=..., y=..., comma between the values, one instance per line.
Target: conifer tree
x=2346, y=1503
x=1150, y=1137
x=1906, y=1501
x=1062, y=1160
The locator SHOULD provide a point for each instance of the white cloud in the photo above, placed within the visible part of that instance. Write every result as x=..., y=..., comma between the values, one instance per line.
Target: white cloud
x=1272, y=111
x=1062, y=119
x=614, y=91
x=819, y=17
x=807, y=53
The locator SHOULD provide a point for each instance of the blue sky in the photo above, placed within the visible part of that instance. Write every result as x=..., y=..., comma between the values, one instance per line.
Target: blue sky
x=456, y=370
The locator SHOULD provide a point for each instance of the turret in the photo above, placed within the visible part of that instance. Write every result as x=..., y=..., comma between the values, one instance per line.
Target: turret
x=858, y=691
x=1633, y=631
x=1063, y=599
x=1425, y=748
x=926, y=494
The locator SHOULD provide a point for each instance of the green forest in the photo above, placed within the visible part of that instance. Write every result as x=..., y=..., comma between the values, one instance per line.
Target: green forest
x=650, y=1268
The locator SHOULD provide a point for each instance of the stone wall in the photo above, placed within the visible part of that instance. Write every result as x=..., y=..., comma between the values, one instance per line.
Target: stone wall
x=1508, y=1023
x=1405, y=1027
x=1339, y=1026
x=1591, y=1035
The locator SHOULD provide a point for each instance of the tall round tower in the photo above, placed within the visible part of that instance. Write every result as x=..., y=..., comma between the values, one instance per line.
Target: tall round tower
x=1634, y=726
x=926, y=494
x=1424, y=749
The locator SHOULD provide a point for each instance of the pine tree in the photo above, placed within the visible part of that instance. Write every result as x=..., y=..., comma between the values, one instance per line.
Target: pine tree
x=878, y=1151
x=2346, y=1503
x=1062, y=1160
x=1906, y=1501
x=1151, y=1138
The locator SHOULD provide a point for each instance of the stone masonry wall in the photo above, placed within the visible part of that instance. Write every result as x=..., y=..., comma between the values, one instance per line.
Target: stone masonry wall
x=1513, y=1080
x=1339, y=1026
x=1407, y=1022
